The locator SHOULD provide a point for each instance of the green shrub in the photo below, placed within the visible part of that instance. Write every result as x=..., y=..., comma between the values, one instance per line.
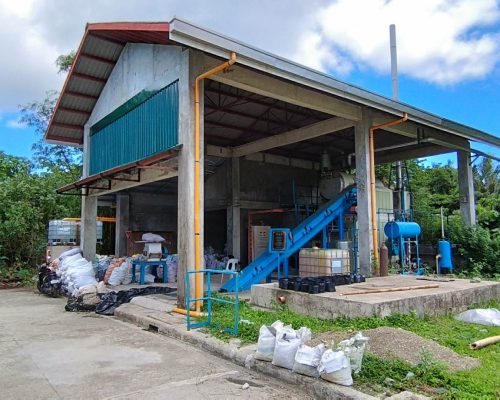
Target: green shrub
x=478, y=248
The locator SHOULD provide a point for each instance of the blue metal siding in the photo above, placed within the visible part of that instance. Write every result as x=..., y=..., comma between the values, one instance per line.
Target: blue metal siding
x=149, y=128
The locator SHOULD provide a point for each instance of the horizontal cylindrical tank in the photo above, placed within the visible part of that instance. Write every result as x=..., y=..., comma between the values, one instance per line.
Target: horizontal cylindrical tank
x=331, y=186
x=444, y=249
x=395, y=229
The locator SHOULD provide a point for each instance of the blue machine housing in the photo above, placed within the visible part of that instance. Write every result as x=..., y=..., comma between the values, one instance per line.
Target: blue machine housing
x=398, y=232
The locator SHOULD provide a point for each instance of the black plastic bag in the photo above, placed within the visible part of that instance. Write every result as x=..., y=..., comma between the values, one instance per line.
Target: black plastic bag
x=76, y=303
x=48, y=282
x=110, y=301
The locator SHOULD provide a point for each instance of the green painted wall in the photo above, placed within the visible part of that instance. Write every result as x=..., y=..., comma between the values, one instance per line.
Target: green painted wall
x=144, y=126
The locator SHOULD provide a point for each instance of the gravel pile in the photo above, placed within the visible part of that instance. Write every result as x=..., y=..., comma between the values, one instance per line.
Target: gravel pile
x=390, y=343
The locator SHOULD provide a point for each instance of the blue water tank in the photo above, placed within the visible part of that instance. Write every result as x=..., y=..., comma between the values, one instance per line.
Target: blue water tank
x=395, y=229
x=445, y=261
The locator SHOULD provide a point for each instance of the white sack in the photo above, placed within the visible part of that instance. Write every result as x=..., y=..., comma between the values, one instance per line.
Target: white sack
x=354, y=349
x=70, y=252
x=287, y=344
x=265, y=344
x=127, y=272
x=307, y=360
x=116, y=277
x=267, y=340
x=481, y=316
x=335, y=367
x=152, y=237
x=304, y=334
x=83, y=281
x=148, y=278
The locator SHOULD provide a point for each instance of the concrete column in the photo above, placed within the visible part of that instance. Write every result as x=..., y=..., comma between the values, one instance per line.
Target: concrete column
x=88, y=234
x=234, y=209
x=122, y=223
x=189, y=69
x=365, y=242
x=466, y=187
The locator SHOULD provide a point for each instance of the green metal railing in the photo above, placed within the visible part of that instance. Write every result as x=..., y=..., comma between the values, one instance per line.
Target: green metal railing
x=210, y=299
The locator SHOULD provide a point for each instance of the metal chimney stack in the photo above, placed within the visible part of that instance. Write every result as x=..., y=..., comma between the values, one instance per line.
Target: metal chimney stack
x=394, y=62
x=395, y=95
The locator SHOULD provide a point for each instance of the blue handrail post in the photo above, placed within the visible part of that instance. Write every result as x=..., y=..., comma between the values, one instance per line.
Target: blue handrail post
x=187, y=300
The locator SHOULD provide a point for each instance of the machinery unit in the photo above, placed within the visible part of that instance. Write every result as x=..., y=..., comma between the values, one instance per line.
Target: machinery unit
x=402, y=236
x=152, y=251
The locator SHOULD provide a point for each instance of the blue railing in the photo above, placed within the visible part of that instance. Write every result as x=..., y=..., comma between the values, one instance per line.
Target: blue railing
x=209, y=299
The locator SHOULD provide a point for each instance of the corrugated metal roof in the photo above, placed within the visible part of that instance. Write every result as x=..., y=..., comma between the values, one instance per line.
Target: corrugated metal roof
x=102, y=44
x=191, y=35
x=96, y=57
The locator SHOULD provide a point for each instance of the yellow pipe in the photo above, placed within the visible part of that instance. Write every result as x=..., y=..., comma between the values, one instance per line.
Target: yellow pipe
x=184, y=312
x=372, y=186
x=197, y=178
x=102, y=219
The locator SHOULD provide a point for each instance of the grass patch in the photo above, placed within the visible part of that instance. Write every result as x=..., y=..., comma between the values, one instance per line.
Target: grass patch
x=430, y=377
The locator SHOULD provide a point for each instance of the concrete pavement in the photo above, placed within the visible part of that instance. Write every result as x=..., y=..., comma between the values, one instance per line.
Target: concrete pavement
x=48, y=353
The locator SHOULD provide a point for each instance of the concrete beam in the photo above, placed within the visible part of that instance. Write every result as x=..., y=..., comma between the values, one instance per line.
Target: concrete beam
x=466, y=187
x=268, y=86
x=218, y=151
x=410, y=153
x=226, y=152
x=414, y=130
x=147, y=176
x=365, y=241
x=297, y=135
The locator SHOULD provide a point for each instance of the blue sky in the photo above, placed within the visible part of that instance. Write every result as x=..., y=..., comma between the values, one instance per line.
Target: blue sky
x=449, y=65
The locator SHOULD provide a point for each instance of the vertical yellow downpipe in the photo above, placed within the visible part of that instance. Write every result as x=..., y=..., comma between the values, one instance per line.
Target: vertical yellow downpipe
x=197, y=177
x=372, y=185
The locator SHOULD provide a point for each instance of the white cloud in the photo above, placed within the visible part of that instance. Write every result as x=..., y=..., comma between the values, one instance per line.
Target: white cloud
x=34, y=32
x=15, y=124
x=439, y=41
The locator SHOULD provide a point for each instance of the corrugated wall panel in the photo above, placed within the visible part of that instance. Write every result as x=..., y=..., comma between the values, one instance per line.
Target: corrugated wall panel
x=148, y=129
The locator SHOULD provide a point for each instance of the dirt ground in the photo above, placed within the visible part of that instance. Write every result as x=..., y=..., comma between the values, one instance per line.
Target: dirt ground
x=390, y=343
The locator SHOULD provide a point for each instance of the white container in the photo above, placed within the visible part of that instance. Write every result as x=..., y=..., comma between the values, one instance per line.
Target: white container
x=323, y=262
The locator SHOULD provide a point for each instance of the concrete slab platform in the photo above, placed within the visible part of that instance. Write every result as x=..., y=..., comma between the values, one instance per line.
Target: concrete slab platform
x=449, y=297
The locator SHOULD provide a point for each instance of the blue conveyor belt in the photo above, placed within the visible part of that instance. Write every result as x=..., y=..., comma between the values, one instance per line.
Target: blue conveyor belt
x=265, y=265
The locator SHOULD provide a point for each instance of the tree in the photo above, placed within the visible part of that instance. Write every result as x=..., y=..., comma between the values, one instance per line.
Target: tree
x=37, y=114
x=28, y=189
x=65, y=61
x=487, y=190
x=29, y=201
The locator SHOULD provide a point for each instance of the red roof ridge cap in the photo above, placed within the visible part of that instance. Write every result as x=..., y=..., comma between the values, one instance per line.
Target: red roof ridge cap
x=131, y=26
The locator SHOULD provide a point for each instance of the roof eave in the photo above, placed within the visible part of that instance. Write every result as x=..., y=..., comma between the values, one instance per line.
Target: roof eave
x=191, y=35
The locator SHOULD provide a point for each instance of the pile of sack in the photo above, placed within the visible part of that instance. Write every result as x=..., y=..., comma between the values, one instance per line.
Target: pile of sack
x=74, y=272
x=287, y=348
